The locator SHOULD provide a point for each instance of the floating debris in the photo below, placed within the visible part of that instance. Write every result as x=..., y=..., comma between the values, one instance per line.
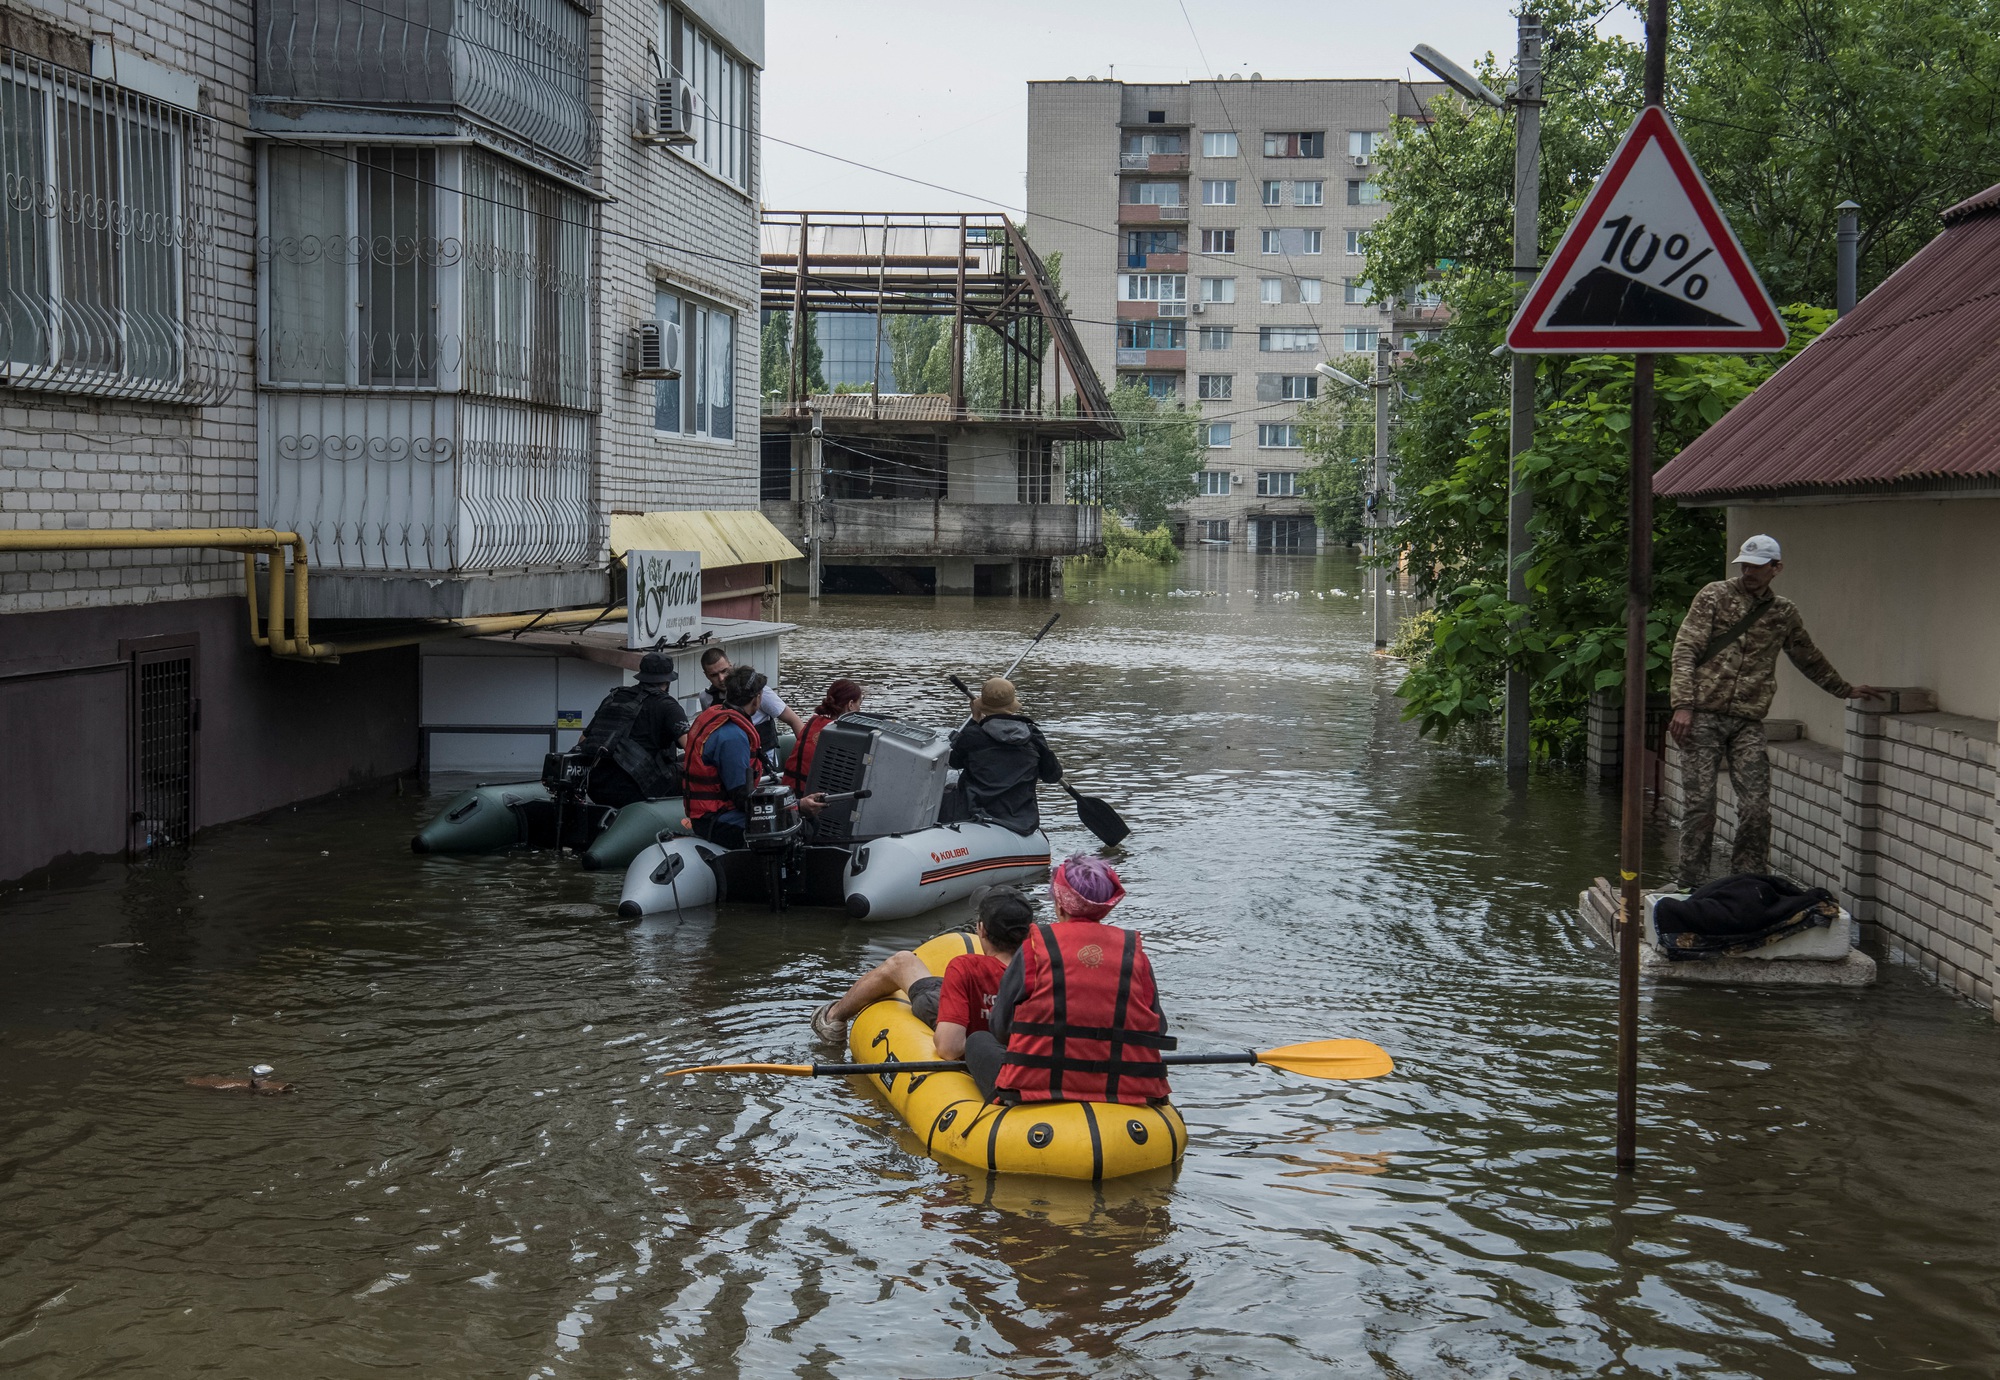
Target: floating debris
x=259, y=1081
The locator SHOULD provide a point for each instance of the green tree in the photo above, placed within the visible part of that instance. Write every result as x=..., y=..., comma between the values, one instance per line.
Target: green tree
x=1154, y=466
x=1337, y=433
x=915, y=356
x=775, y=355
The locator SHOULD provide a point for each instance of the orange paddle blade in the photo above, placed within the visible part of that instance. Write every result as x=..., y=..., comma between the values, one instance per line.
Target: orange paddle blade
x=1330, y=1059
x=795, y=1070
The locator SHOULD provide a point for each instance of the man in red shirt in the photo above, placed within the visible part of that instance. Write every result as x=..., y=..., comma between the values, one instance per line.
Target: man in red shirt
x=956, y=1004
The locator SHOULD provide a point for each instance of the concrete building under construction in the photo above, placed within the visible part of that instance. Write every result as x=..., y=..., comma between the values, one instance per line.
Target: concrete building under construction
x=974, y=473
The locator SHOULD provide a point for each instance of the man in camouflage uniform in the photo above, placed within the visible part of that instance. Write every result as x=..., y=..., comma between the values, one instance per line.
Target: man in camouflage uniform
x=1725, y=672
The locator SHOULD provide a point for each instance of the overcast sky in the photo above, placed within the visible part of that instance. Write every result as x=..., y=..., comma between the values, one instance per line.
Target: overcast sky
x=937, y=89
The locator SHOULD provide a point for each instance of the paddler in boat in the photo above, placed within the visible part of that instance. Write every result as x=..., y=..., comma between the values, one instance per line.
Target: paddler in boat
x=769, y=713
x=1077, y=1017
x=722, y=761
x=955, y=1005
x=1000, y=756
x=633, y=735
x=843, y=697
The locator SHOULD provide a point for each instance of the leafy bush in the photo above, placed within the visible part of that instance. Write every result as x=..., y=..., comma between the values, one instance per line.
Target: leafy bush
x=1123, y=545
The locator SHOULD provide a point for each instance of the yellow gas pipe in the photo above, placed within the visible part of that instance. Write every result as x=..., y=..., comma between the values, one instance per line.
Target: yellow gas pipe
x=253, y=542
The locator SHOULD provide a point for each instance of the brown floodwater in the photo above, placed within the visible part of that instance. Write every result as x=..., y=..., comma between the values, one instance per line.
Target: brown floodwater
x=482, y=1174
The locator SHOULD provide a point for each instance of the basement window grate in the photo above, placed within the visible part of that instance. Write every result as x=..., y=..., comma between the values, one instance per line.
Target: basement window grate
x=163, y=783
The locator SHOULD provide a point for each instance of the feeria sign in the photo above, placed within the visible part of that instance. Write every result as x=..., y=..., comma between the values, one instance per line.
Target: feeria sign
x=662, y=596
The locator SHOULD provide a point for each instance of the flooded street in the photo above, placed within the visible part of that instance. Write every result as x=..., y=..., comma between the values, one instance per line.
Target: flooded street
x=483, y=1175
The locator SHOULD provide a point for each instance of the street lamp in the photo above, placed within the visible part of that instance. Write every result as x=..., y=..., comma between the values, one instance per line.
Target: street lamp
x=1380, y=387
x=1327, y=371
x=1526, y=98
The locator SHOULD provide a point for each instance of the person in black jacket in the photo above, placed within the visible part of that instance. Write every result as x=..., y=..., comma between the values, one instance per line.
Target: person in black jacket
x=1000, y=756
x=633, y=735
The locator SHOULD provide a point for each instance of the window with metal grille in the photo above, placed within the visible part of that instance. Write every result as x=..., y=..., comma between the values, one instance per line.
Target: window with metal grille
x=162, y=750
x=1215, y=529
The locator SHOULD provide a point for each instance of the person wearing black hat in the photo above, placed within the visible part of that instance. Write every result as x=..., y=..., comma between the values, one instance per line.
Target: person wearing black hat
x=633, y=735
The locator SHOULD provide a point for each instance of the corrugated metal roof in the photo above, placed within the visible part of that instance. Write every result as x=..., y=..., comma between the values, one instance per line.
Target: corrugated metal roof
x=893, y=407
x=723, y=536
x=1902, y=392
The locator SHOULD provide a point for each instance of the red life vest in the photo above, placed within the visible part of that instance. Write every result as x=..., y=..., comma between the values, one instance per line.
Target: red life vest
x=1087, y=1027
x=701, y=782
x=798, y=767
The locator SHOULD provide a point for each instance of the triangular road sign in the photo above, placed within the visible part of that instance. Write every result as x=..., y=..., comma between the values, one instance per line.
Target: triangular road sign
x=1649, y=264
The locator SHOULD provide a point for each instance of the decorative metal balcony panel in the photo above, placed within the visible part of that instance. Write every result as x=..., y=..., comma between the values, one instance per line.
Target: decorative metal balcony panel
x=522, y=66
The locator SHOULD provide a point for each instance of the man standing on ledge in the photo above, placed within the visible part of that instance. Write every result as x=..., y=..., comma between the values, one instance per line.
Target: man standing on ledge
x=1725, y=672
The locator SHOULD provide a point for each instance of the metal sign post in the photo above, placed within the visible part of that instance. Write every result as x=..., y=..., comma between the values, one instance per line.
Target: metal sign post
x=1648, y=265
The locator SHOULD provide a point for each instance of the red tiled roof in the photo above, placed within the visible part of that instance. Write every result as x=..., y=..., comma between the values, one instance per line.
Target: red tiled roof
x=1903, y=392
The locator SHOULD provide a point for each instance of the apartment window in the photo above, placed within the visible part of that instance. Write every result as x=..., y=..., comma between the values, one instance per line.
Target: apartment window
x=1215, y=529
x=1270, y=291
x=1274, y=193
x=1357, y=241
x=1287, y=387
x=1161, y=385
x=1217, y=337
x=1412, y=339
x=1278, y=483
x=1144, y=242
x=1307, y=145
x=1359, y=339
x=1218, y=241
x=1426, y=295
x=702, y=401
x=1218, y=192
x=1034, y=470
x=1363, y=143
x=1363, y=193
x=1218, y=144
x=94, y=219
x=1218, y=439
x=1309, y=193
x=1291, y=241
x=1356, y=292
x=1214, y=483
x=719, y=113
x=1290, y=339
x=1168, y=333
x=1215, y=385
x=1309, y=290
x=1150, y=144
x=1152, y=287
x=1153, y=193
x=1218, y=289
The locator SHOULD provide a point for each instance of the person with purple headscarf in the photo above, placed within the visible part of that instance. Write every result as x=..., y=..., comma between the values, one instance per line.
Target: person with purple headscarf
x=1084, y=890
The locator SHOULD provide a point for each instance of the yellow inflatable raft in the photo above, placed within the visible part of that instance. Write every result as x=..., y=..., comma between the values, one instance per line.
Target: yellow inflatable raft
x=1067, y=1140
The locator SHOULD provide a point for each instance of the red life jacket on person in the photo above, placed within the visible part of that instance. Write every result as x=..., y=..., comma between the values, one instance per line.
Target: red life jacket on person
x=1087, y=1027
x=701, y=782
x=798, y=767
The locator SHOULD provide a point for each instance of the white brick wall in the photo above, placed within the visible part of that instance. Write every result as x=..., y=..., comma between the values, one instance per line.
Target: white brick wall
x=74, y=462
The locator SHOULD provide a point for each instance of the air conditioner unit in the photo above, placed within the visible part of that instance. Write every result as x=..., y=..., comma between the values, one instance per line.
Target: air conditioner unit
x=1197, y=307
x=1360, y=160
x=654, y=351
x=660, y=115
x=1236, y=476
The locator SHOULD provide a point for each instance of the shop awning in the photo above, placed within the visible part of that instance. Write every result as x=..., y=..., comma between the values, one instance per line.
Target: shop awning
x=725, y=537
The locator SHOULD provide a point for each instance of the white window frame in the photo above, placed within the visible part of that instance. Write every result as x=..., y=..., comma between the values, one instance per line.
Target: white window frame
x=1309, y=192
x=1366, y=143
x=1215, y=529
x=1214, y=483
x=1218, y=289
x=1278, y=483
x=1356, y=292
x=1282, y=340
x=1357, y=340
x=1153, y=194
x=1357, y=241
x=721, y=109
x=1219, y=143
x=1152, y=287
x=1215, y=387
x=1271, y=291
x=700, y=372
x=1309, y=291
x=1224, y=238
x=1274, y=191
x=1215, y=338
x=1364, y=191
x=1298, y=387
x=1218, y=191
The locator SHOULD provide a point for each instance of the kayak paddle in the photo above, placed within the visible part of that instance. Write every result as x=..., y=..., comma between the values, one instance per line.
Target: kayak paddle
x=1097, y=815
x=1316, y=1059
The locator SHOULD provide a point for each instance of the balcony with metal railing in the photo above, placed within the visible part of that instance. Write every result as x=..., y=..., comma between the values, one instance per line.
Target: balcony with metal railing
x=516, y=69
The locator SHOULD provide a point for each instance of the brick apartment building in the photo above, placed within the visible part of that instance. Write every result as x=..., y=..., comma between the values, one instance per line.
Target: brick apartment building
x=366, y=274
x=1210, y=235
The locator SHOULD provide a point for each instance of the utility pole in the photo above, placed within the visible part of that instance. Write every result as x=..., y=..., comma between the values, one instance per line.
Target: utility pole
x=1638, y=601
x=1379, y=510
x=1527, y=100
x=815, y=504
x=1848, y=252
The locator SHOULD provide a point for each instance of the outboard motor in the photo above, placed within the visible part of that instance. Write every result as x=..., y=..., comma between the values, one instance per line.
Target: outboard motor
x=567, y=774
x=771, y=830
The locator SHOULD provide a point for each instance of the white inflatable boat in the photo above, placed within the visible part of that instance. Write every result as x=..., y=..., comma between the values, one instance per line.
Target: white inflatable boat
x=889, y=878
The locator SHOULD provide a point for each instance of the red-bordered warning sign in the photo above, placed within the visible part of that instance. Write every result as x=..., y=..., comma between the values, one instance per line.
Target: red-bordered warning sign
x=1649, y=264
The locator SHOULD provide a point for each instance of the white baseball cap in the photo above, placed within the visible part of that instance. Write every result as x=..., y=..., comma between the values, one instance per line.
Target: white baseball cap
x=1758, y=550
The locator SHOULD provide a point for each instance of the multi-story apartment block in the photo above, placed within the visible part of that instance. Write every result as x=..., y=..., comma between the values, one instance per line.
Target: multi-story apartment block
x=367, y=273
x=1211, y=237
